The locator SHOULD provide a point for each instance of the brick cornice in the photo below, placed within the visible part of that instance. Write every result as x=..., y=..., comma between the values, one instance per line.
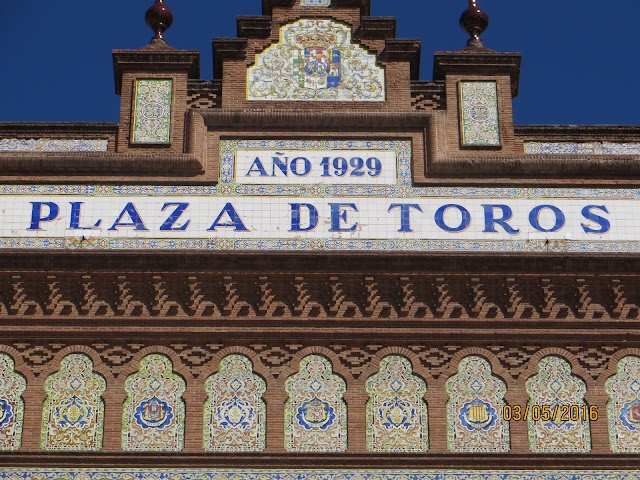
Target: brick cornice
x=227, y=49
x=478, y=62
x=311, y=461
x=376, y=28
x=69, y=129
x=155, y=59
x=364, y=5
x=403, y=50
x=317, y=121
x=254, y=26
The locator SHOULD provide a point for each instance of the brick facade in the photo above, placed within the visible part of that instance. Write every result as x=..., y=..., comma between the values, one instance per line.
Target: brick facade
x=354, y=309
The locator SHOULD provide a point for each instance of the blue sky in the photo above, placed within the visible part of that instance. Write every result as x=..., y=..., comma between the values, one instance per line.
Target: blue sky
x=579, y=66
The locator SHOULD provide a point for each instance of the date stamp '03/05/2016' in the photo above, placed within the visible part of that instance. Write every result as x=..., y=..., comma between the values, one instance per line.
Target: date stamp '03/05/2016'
x=554, y=413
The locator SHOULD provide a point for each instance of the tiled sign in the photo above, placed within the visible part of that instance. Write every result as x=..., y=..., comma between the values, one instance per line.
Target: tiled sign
x=279, y=195
x=324, y=167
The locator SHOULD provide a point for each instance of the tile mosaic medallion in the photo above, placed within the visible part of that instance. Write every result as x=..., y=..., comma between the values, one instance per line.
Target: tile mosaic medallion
x=235, y=412
x=154, y=413
x=73, y=412
x=310, y=474
x=51, y=145
x=12, y=386
x=475, y=420
x=479, y=126
x=315, y=60
x=623, y=409
x=554, y=385
x=315, y=3
x=396, y=411
x=315, y=414
x=151, y=123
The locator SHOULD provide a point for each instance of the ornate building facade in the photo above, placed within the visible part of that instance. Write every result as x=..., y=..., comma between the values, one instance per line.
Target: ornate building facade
x=318, y=266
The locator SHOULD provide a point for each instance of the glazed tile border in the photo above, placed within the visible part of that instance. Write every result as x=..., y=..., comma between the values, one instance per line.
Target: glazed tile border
x=318, y=245
x=52, y=145
x=343, y=474
x=581, y=148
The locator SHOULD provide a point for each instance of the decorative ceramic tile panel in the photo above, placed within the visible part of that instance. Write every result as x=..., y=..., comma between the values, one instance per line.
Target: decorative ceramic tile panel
x=479, y=125
x=555, y=386
x=396, y=411
x=585, y=148
x=315, y=3
x=315, y=414
x=151, y=123
x=73, y=412
x=154, y=412
x=235, y=413
x=308, y=474
x=12, y=386
x=52, y=145
x=475, y=420
x=623, y=408
x=315, y=60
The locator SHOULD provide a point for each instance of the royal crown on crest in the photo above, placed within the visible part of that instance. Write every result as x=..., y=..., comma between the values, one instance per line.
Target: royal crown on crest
x=316, y=39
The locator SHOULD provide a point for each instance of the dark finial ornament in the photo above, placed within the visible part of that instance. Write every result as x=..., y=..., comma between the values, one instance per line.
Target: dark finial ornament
x=474, y=21
x=159, y=18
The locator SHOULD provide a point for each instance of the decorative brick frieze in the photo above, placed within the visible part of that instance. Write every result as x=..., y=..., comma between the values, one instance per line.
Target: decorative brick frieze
x=313, y=295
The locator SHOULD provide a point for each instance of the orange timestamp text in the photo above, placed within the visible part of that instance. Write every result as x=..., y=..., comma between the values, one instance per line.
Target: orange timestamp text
x=555, y=413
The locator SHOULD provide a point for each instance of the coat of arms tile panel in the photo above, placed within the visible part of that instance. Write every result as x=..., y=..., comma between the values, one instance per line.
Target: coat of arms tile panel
x=315, y=60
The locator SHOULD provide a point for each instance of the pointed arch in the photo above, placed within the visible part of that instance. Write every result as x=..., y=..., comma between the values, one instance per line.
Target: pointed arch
x=73, y=412
x=12, y=386
x=315, y=411
x=555, y=386
x=154, y=411
x=475, y=408
x=235, y=411
x=623, y=408
x=396, y=411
